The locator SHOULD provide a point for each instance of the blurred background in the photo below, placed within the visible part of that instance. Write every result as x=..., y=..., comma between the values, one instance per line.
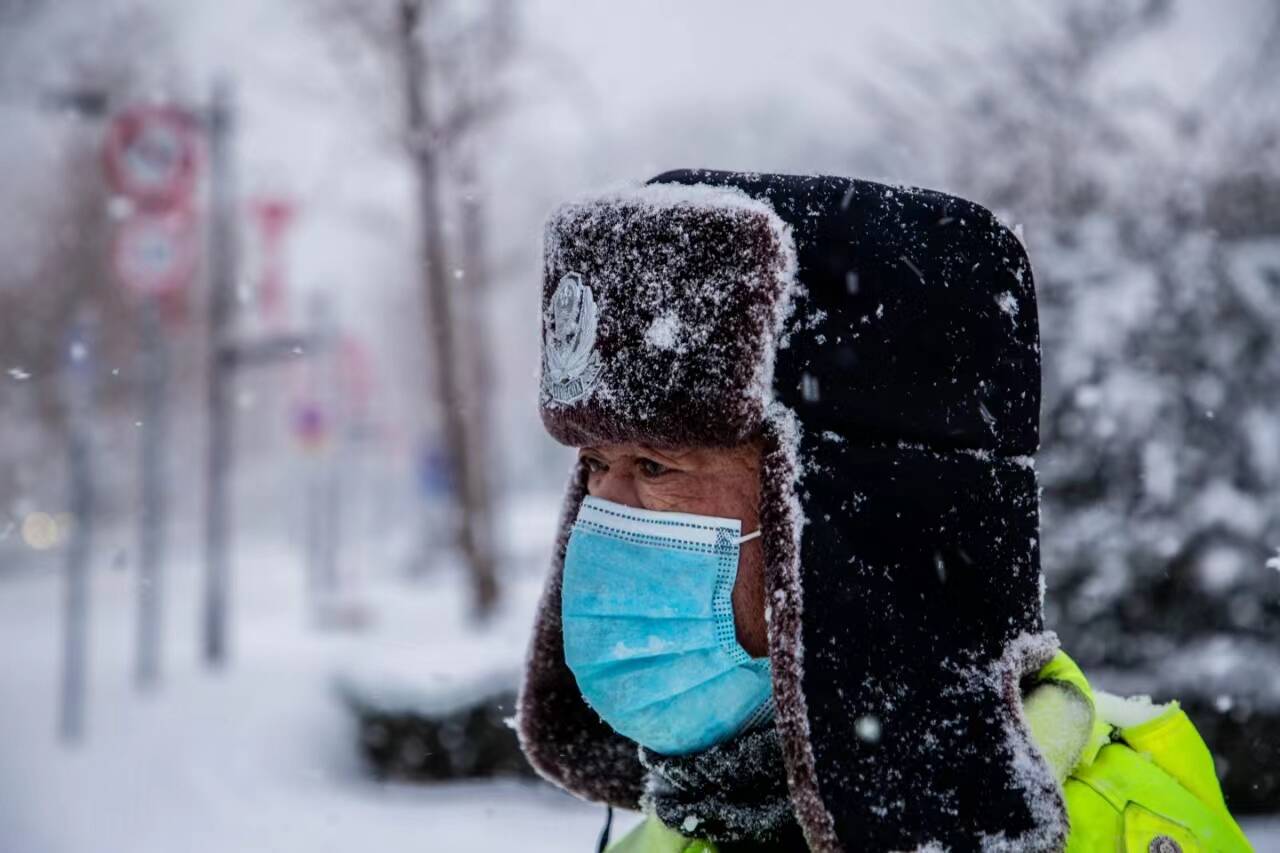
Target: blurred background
x=275, y=503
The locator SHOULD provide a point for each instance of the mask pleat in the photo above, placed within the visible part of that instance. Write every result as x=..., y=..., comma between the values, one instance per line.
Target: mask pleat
x=598, y=640
x=636, y=683
x=695, y=719
x=620, y=578
x=720, y=690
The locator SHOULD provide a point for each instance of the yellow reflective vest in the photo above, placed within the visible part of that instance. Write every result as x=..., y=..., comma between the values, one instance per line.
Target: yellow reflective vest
x=1145, y=786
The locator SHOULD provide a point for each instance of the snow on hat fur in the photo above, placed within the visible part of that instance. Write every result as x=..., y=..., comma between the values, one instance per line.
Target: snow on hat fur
x=883, y=342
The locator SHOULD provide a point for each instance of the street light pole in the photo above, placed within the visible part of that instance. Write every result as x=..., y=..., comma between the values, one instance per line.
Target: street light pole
x=79, y=391
x=154, y=372
x=222, y=265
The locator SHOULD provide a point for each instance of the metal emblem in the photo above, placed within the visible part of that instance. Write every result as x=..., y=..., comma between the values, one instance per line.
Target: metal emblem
x=570, y=364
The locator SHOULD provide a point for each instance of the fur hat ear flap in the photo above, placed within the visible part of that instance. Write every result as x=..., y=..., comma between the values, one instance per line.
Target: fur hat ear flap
x=565, y=741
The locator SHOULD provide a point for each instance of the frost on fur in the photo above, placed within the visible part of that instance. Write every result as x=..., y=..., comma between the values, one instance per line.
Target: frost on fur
x=662, y=306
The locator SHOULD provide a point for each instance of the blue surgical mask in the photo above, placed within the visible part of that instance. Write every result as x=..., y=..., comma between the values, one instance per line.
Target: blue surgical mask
x=648, y=626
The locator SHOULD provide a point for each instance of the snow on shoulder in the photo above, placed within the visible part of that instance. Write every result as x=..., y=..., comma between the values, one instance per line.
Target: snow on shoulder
x=1127, y=711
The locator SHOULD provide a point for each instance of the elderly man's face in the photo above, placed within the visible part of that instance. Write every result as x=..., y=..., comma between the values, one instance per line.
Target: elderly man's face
x=704, y=481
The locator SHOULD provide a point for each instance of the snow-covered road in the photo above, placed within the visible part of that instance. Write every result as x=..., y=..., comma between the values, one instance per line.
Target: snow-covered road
x=259, y=757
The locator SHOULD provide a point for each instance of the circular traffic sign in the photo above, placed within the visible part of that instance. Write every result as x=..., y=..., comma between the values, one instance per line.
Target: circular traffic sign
x=155, y=253
x=151, y=155
x=310, y=424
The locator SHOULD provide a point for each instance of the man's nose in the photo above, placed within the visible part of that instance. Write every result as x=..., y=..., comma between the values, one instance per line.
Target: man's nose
x=619, y=487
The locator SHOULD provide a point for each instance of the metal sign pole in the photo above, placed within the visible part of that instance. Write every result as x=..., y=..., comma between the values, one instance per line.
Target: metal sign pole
x=151, y=157
x=321, y=527
x=75, y=643
x=331, y=492
x=222, y=264
x=154, y=372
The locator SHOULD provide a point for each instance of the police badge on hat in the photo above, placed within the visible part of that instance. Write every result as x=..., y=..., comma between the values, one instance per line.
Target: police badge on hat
x=571, y=365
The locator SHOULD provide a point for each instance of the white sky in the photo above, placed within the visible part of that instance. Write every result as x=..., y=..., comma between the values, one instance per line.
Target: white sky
x=610, y=91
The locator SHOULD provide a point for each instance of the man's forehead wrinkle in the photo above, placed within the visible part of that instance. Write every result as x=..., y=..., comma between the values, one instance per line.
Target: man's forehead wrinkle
x=633, y=449
x=707, y=459
x=678, y=454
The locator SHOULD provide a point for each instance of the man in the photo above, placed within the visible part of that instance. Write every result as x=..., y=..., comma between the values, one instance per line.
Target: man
x=796, y=599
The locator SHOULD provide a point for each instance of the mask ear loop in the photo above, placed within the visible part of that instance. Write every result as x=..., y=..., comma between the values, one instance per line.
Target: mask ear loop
x=748, y=537
x=606, y=831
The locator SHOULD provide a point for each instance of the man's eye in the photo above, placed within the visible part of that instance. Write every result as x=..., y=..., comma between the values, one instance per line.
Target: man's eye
x=594, y=465
x=649, y=468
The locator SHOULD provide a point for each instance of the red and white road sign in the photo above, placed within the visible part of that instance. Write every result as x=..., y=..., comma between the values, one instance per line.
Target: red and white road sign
x=155, y=253
x=273, y=215
x=151, y=155
x=355, y=376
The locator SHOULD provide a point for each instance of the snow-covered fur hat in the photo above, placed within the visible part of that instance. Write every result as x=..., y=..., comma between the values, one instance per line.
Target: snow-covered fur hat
x=883, y=342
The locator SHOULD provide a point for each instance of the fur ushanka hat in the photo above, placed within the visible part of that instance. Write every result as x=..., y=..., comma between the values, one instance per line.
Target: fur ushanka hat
x=883, y=341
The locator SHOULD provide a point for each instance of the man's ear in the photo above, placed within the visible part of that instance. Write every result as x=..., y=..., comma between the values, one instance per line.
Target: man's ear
x=749, y=599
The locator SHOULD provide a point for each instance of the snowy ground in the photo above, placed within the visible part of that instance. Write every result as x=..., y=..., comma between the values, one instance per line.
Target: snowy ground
x=259, y=757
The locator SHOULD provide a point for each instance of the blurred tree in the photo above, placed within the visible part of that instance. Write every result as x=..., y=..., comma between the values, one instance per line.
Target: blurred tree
x=444, y=60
